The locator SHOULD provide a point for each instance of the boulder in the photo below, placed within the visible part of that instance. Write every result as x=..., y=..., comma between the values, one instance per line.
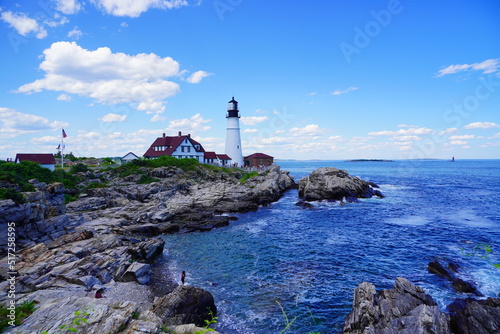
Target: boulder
x=328, y=183
x=138, y=272
x=185, y=305
x=475, y=316
x=147, y=251
x=404, y=309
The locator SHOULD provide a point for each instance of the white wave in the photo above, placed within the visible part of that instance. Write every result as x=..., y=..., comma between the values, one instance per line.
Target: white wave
x=488, y=280
x=409, y=220
x=335, y=239
x=257, y=226
x=472, y=219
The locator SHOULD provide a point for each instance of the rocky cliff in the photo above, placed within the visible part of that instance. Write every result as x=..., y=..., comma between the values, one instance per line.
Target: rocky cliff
x=105, y=239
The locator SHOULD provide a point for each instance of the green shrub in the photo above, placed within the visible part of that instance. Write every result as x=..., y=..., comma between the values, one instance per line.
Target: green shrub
x=7, y=193
x=94, y=185
x=145, y=179
x=79, y=167
x=22, y=311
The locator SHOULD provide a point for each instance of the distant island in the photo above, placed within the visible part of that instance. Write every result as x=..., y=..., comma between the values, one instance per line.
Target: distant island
x=369, y=160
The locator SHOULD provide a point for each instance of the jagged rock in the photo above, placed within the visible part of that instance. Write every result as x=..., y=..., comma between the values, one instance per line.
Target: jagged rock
x=449, y=273
x=101, y=316
x=186, y=304
x=330, y=183
x=404, y=309
x=475, y=316
x=143, y=229
x=148, y=250
x=138, y=272
x=304, y=205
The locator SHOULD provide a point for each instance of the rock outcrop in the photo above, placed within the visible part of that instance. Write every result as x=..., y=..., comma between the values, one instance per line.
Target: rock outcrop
x=328, y=183
x=404, y=309
x=408, y=309
x=104, y=239
x=186, y=304
x=475, y=316
x=37, y=220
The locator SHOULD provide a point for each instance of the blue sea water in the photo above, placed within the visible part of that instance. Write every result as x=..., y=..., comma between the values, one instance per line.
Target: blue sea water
x=310, y=260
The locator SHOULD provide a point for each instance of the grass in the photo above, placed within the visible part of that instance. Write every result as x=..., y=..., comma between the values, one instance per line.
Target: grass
x=145, y=179
x=248, y=175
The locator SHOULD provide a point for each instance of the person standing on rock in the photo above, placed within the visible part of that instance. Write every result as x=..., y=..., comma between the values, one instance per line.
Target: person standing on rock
x=183, y=277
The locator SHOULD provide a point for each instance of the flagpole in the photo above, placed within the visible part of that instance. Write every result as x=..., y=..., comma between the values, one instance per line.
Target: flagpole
x=62, y=148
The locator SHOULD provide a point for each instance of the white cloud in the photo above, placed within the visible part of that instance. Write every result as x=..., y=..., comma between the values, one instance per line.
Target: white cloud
x=124, y=24
x=64, y=97
x=196, y=77
x=250, y=131
x=252, y=120
x=158, y=118
x=481, y=125
x=113, y=118
x=45, y=140
x=308, y=130
x=68, y=6
x=407, y=138
x=107, y=77
x=188, y=125
x=490, y=144
x=23, y=24
x=345, y=91
x=75, y=33
x=15, y=123
x=402, y=132
x=487, y=66
x=457, y=142
x=407, y=126
x=448, y=131
x=462, y=137
x=496, y=135
x=58, y=20
x=134, y=8
x=312, y=94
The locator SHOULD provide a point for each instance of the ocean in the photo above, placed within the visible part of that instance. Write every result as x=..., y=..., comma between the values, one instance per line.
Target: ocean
x=283, y=264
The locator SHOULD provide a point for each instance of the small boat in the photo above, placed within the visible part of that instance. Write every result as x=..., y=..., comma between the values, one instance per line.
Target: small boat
x=452, y=159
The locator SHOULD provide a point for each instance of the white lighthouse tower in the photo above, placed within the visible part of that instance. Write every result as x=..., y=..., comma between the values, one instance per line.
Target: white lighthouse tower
x=233, y=139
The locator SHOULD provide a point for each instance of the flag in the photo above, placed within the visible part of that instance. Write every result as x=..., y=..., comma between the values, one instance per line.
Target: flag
x=64, y=133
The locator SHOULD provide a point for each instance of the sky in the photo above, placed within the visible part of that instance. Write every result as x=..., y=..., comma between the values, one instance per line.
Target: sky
x=314, y=80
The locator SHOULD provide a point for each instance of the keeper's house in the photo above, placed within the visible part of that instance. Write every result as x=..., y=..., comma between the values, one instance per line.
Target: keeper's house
x=258, y=160
x=183, y=146
x=46, y=160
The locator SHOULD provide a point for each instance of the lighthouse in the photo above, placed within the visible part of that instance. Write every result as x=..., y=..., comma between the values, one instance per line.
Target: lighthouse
x=233, y=139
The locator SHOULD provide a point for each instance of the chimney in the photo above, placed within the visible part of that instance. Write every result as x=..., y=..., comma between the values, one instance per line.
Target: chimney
x=189, y=135
x=163, y=134
x=180, y=133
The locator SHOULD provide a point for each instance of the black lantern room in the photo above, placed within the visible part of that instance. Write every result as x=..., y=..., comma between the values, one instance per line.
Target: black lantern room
x=232, y=108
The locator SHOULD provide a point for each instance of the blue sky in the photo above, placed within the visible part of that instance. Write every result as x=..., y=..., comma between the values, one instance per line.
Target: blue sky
x=314, y=80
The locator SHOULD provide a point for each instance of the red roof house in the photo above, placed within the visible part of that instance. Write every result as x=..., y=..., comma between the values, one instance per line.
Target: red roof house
x=46, y=160
x=176, y=146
